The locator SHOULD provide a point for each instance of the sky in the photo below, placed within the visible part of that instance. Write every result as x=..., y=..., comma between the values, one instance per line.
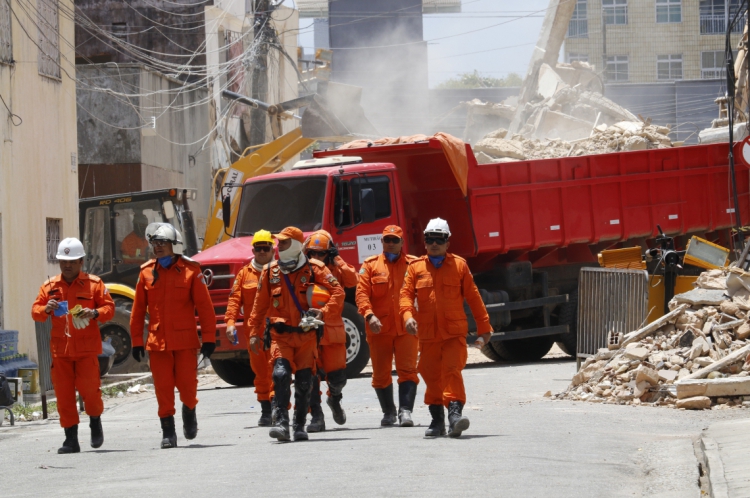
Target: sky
x=494, y=37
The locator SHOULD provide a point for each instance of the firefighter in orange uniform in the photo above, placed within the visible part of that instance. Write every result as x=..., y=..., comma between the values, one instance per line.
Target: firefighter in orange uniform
x=134, y=246
x=77, y=302
x=243, y=295
x=380, y=281
x=284, y=321
x=171, y=288
x=440, y=281
x=331, y=364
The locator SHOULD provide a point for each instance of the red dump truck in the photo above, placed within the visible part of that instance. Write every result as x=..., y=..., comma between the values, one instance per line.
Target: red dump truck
x=526, y=228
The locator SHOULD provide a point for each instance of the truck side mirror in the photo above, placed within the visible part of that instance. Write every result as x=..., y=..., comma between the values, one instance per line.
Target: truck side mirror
x=367, y=205
x=226, y=210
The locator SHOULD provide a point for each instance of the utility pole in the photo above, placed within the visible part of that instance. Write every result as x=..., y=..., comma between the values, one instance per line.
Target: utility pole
x=261, y=35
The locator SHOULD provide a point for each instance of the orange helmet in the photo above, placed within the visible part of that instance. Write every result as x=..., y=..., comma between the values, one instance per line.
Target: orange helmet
x=317, y=296
x=319, y=241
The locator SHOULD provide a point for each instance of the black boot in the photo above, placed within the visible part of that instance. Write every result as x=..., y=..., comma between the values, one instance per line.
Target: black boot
x=407, y=391
x=189, y=423
x=457, y=422
x=302, y=388
x=265, y=419
x=168, y=434
x=97, y=434
x=385, y=396
x=437, y=426
x=70, y=445
x=318, y=421
x=336, y=382
x=282, y=378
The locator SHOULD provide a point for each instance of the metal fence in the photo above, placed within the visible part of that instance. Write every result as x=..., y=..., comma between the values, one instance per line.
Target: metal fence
x=609, y=300
x=712, y=24
x=44, y=355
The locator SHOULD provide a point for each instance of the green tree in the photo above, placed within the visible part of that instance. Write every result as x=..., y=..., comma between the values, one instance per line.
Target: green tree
x=476, y=80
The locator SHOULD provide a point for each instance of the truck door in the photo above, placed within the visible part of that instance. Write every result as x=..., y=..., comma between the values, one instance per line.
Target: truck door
x=356, y=237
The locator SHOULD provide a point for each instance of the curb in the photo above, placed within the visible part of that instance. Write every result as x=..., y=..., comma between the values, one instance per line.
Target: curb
x=717, y=482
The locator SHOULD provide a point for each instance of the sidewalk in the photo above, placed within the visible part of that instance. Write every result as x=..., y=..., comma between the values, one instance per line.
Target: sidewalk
x=726, y=446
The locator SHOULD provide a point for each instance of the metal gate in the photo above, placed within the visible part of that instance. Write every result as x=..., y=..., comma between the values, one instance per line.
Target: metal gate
x=609, y=300
x=44, y=355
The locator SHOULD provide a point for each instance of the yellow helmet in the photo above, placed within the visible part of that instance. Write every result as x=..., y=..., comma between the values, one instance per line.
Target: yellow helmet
x=263, y=236
x=317, y=296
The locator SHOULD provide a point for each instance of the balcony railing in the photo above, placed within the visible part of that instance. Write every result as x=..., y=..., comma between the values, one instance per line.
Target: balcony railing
x=714, y=24
x=578, y=28
x=713, y=74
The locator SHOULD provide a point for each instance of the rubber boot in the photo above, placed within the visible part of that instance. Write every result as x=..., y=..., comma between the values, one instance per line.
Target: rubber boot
x=70, y=445
x=336, y=382
x=189, y=423
x=265, y=419
x=282, y=379
x=273, y=412
x=302, y=386
x=97, y=433
x=437, y=426
x=457, y=423
x=407, y=391
x=318, y=421
x=169, y=436
x=385, y=396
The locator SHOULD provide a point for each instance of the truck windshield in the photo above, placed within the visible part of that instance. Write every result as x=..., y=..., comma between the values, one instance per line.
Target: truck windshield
x=277, y=204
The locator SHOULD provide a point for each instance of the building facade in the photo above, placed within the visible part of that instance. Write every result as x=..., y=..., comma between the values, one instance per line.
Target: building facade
x=38, y=153
x=648, y=41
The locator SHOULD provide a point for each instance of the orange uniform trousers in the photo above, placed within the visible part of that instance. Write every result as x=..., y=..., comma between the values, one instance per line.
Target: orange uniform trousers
x=262, y=367
x=440, y=365
x=76, y=374
x=383, y=349
x=300, y=350
x=172, y=369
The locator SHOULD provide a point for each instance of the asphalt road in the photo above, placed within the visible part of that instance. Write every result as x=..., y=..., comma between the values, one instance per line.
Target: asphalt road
x=519, y=444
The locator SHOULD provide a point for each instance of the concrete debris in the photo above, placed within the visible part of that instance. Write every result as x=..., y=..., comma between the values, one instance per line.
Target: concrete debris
x=691, y=358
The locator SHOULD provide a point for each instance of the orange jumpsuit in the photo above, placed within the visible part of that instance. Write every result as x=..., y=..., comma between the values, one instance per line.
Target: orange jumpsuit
x=75, y=365
x=332, y=349
x=243, y=295
x=441, y=323
x=274, y=301
x=172, y=296
x=134, y=249
x=380, y=283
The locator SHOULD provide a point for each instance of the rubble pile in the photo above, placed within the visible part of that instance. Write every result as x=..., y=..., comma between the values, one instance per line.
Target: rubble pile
x=694, y=357
x=622, y=136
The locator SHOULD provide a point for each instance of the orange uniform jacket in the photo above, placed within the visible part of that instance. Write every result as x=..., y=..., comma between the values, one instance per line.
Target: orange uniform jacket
x=134, y=249
x=274, y=301
x=242, y=296
x=378, y=291
x=346, y=274
x=88, y=291
x=172, y=296
x=440, y=293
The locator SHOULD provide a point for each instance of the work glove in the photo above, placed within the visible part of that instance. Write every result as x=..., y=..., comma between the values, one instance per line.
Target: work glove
x=333, y=251
x=208, y=349
x=138, y=353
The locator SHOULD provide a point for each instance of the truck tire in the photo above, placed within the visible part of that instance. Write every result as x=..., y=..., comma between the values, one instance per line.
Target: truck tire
x=520, y=350
x=118, y=330
x=235, y=372
x=357, y=349
x=568, y=315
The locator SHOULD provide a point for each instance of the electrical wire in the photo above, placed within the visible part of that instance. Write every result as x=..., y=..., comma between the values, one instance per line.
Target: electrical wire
x=11, y=115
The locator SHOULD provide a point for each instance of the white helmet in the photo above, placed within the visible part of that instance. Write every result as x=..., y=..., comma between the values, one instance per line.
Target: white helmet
x=163, y=231
x=70, y=249
x=438, y=226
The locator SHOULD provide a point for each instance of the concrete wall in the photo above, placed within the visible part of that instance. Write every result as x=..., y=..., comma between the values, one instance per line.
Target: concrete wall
x=38, y=180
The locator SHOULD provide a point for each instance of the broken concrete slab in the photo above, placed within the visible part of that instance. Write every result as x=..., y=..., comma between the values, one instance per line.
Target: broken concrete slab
x=694, y=403
x=667, y=375
x=548, y=82
x=499, y=147
x=729, y=386
x=639, y=354
x=704, y=297
x=644, y=373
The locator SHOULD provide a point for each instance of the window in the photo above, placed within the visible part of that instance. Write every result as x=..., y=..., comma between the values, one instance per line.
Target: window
x=131, y=220
x=617, y=68
x=579, y=23
x=53, y=238
x=712, y=65
x=615, y=11
x=48, y=38
x=97, y=241
x=346, y=205
x=669, y=67
x=668, y=10
x=6, y=39
x=713, y=16
x=573, y=57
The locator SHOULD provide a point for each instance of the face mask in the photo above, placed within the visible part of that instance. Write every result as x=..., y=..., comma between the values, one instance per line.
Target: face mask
x=292, y=258
x=165, y=262
x=437, y=261
x=391, y=257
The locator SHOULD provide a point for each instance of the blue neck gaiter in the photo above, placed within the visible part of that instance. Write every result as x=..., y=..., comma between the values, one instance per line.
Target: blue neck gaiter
x=391, y=257
x=165, y=262
x=437, y=261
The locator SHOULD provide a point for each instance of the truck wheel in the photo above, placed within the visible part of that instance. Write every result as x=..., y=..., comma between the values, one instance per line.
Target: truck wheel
x=357, y=349
x=235, y=372
x=568, y=315
x=531, y=349
x=118, y=330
